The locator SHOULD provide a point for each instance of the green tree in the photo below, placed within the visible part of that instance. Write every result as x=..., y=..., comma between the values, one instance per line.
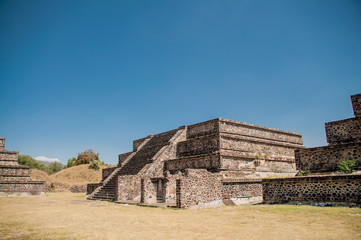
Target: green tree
x=55, y=167
x=87, y=156
x=72, y=162
x=29, y=161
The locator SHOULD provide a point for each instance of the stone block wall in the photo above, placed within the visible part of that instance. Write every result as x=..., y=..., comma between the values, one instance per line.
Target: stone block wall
x=242, y=191
x=257, y=165
x=122, y=157
x=138, y=142
x=344, y=138
x=202, y=129
x=200, y=145
x=16, y=188
x=9, y=155
x=356, y=104
x=90, y=187
x=199, y=188
x=15, y=179
x=326, y=159
x=148, y=191
x=2, y=143
x=170, y=187
x=206, y=161
x=235, y=146
x=255, y=131
x=343, y=131
x=107, y=171
x=15, y=170
x=332, y=190
x=128, y=188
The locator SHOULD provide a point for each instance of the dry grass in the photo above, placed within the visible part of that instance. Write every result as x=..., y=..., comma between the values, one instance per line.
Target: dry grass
x=64, y=179
x=70, y=216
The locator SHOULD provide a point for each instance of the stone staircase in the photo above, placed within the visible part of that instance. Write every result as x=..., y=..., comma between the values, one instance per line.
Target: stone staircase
x=134, y=163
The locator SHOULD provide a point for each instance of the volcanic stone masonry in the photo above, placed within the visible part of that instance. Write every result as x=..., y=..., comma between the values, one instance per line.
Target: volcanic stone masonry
x=344, y=138
x=224, y=162
x=216, y=149
x=15, y=179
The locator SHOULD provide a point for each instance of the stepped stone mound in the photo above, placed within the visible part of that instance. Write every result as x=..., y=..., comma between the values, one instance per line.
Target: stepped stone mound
x=227, y=148
x=15, y=179
x=223, y=162
x=344, y=138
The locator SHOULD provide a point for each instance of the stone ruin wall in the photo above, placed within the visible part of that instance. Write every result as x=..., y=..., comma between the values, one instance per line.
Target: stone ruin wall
x=15, y=173
x=122, y=157
x=107, y=171
x=326, y=190
x=344, y=138
x=326, y=159
x=234, y=146
x=148, y=191
x=211, y=161
x=242, y=191
x=16, y=188
x=90, y=187
x=15, y=179
x=356, y=104
x=198, y=189
x=128, y=188
x=343, y=131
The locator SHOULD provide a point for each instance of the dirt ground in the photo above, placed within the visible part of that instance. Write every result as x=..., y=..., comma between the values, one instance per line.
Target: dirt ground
x=70, y=216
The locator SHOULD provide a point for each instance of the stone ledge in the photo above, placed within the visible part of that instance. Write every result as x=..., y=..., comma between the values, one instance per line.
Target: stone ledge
x=22, y=182
x=6, y=151
x=12, y=175
x=329, y=147
x=260, y=127
x=341, y=121
x=15, y=166
x=251, y=157
x=314, y=178
x=241, y=181
x=265, y=141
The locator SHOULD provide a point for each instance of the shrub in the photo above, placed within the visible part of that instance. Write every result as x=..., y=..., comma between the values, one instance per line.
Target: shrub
x=55, y=167
x=87, y=157
x=346, y=165
x=72, y=162
x=303, y=172
x=95, y=164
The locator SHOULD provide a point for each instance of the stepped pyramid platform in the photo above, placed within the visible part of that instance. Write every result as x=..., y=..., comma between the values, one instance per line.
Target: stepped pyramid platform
x=229, y=148
x=344, y=138
x=15, y=179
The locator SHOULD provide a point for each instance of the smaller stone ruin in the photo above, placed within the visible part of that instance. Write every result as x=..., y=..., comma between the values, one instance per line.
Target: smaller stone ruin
x=344, y=138
x=15, y=179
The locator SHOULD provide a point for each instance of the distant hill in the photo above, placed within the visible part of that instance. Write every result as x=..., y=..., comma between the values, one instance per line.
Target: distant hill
x=72, y=179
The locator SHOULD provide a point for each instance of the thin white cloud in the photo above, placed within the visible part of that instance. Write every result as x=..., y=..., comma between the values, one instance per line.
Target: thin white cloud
x=43, y=158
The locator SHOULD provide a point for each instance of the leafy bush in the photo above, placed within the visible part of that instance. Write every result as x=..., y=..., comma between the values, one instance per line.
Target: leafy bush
x=72, y=162
x=303, y=173
x=87, y=156
x=55, y=167
x=95, y=164
x=346, y=165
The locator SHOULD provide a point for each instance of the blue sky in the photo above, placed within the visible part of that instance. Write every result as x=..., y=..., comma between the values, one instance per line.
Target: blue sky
x=98, y=74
